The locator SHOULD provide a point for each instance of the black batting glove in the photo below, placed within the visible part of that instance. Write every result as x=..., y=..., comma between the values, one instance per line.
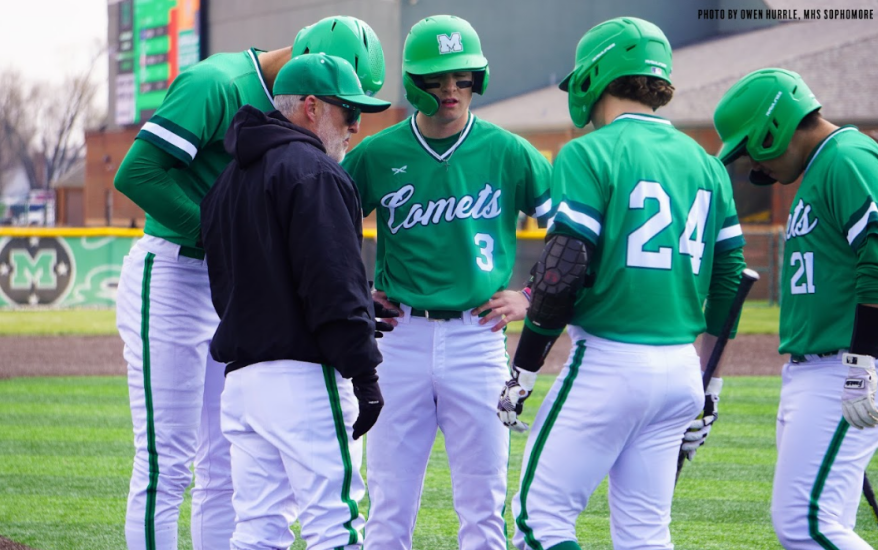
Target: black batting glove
x=370, y=400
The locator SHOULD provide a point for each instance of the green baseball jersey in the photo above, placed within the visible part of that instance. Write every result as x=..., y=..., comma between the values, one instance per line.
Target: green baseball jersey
x=191, y=123
x=658, y=209
x=830, y=218
x=447, y=215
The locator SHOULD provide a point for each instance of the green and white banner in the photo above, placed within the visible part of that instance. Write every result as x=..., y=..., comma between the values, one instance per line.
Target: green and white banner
x=61, y=271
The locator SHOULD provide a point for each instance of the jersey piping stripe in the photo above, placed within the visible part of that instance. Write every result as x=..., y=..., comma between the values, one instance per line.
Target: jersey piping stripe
x=540, y=443
x=152, y=484
x=822, y=145
x=543, y=209
x=823, y=473
x=255, y=62
x=729, y=232
x=447, y=154
x=643, y=118
x=861, y=223
x=578, y=218
x=342, y=435
x=171, y=138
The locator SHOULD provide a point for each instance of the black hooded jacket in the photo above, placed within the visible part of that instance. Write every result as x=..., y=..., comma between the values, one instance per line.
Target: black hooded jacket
x=282, y=230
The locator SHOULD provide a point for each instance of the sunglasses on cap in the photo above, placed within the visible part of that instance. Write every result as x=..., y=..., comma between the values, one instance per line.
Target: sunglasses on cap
x=352, y=114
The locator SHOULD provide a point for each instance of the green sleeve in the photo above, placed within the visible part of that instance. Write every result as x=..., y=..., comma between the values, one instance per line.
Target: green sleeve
x=144, y=178
x=727, y=268
x=354, y=163
x=851, y=195
x=536, y=196
x=576, y=180
x=867, y=271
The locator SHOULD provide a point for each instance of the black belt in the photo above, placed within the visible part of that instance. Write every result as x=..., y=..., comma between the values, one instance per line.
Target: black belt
x=804, y=358
x=192, y=252
x=437, y=314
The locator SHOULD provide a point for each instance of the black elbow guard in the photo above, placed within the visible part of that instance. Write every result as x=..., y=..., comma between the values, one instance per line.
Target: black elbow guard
x=864, y=340
x=557, y=278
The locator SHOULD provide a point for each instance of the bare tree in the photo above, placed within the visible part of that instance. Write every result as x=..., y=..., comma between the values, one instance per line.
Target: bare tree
x=42, y=126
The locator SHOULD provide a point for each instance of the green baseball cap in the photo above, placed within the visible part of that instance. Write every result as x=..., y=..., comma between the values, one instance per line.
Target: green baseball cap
x=325, y=75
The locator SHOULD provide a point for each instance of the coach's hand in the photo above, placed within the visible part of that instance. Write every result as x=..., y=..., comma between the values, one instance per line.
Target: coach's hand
x=370, y=400
x=858, y=398
x=512, y=397
x=699, y=429
x=384, y=318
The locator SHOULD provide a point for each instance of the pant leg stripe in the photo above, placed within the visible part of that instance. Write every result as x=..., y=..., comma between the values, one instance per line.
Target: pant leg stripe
x=152, y=485
x=521, y=520
x=820, y=482
x=342, y=435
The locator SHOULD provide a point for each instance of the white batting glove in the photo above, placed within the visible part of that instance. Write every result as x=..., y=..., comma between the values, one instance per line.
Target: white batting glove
x=517, y=389
x=700, y=428
x=858, y=398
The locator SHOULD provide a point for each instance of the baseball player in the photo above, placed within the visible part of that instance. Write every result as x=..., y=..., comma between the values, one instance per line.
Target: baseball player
x=646, y=230
x=164, y=312
x=829, y=292
x=282, y=231
x=447, y=188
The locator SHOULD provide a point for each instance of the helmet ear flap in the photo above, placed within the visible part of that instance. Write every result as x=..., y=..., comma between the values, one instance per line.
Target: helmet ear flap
x=579, y=97
x=422, y=100
x=480, y=81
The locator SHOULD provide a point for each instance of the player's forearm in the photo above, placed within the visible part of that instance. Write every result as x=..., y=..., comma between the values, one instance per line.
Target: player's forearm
x=143, y=177
x=726, y=276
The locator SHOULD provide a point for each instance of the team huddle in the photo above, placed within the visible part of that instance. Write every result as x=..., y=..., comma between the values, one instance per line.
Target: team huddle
x=260, y=351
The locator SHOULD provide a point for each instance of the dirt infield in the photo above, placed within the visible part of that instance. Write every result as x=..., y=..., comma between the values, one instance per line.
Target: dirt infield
x=102, y=355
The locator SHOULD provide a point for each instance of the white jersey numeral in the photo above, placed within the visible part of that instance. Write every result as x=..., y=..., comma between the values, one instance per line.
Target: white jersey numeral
x=695, y=222
x=485, y=260
x=689, y=246
x=805, y=261
x=637, y=256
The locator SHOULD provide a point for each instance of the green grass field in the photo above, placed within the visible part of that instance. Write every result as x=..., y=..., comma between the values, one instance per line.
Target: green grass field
x=757, y=318
x=66, y=450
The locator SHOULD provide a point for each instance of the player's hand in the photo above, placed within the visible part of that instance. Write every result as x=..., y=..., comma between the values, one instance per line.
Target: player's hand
x=370, y=401
x=699, y=429
x=505, y=306
x=858, y=398
x=385, y=310
x=516, y=390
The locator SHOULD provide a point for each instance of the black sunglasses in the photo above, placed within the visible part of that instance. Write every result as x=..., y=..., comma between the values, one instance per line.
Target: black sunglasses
x=352, y=114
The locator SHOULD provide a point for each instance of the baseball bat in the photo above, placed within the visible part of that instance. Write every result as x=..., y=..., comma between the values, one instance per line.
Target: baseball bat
x=870, y=495
x=748, y=277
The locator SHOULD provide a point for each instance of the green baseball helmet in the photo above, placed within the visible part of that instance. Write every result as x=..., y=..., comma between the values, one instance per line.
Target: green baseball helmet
x=625, y=46
x=352, y=40
x=440, y=44
x=760, y=114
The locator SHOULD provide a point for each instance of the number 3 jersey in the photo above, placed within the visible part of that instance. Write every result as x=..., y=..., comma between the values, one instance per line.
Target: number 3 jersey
x=447, y=210
x=659, y=209
x=831, y=218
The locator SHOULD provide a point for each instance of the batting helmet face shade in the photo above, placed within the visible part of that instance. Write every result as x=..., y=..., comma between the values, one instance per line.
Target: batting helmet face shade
x=760, y=113
x=440, y=44
x=625, y=46
x=352, y=40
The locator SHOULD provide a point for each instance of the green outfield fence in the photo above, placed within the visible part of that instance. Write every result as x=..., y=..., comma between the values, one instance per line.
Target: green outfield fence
x=79, y=267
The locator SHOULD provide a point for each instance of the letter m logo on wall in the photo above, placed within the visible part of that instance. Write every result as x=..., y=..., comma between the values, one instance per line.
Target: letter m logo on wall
x=450, y=44
x=38, y=270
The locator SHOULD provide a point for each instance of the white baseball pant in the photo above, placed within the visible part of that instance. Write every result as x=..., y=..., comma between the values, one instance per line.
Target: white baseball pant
x=618, y=409
x=446, y=375
x=290, y=425
x=821, y=460
x=166, y=319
